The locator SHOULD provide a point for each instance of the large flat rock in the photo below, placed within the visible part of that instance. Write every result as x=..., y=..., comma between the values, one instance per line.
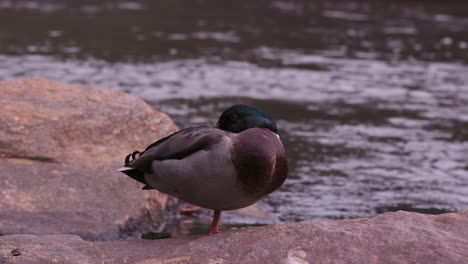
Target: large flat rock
x=60, y=146
x=400, y=237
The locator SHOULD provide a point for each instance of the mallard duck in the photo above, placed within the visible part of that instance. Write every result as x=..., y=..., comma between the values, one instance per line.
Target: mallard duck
x=226, y=167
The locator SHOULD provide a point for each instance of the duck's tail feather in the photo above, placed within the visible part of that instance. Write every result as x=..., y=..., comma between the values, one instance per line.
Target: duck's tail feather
x=134, y=174
x=131, y=157
x=125, y=169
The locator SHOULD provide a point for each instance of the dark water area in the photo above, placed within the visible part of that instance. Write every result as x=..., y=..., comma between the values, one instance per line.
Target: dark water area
x=371, y=97
x=235, y=30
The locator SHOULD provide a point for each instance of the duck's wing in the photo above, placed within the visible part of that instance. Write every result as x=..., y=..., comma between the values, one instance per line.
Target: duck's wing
x=176, y=146
x=179, y=145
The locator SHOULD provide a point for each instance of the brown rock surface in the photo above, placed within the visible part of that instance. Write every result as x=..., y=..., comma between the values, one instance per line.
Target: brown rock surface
x=60, y=146
x=400, y=237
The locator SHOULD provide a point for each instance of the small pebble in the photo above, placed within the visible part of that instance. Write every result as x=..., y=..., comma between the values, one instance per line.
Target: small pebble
x=156, y=235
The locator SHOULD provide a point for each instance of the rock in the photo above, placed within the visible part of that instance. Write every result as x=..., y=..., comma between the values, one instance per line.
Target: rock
x=401, y=237
x=60, y=146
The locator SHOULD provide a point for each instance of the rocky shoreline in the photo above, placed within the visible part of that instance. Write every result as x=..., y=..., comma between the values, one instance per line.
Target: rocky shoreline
x=400, y=237
x=62, y=201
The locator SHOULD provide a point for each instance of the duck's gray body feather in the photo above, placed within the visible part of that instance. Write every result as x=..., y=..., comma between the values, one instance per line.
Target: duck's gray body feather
x=213, y=168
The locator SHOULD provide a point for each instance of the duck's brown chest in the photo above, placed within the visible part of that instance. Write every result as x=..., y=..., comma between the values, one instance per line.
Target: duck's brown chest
x=260, y=161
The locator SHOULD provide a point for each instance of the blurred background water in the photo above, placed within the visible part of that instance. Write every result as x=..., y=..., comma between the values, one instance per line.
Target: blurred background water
x=371, y=97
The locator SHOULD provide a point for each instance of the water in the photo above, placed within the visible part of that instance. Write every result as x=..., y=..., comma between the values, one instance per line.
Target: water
x=371, y=98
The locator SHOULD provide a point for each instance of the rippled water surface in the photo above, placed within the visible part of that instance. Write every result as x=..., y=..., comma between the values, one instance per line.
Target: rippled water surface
x=371, y=98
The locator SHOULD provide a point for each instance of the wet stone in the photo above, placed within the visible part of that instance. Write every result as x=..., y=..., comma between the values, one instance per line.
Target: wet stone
x=17, y=252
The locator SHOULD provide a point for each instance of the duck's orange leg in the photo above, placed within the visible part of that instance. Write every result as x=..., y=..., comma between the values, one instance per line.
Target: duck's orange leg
x=214, y=225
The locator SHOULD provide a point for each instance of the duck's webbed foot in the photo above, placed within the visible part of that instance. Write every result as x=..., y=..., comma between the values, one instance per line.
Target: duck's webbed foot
x=132, y=156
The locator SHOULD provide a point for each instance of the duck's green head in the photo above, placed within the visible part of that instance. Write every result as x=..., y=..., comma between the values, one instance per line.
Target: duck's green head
x=240, y=117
